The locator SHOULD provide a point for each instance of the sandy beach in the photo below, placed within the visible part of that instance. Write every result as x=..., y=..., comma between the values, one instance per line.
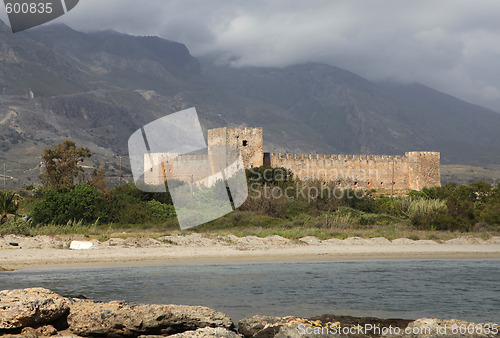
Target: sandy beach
x=18, y=252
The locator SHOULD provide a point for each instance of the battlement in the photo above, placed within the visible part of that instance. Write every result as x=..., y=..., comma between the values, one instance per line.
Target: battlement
x=415, y=170
x=313, y=157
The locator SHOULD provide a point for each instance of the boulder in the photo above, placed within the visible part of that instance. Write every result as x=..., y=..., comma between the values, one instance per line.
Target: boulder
x=321, y=326
x=30, y=307
x=88, y=318
x=433, y=327
x=43, y=331
x=207, y=332
x=261, y=325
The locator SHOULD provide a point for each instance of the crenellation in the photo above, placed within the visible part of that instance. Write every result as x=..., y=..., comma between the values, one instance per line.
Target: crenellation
x=413, y=170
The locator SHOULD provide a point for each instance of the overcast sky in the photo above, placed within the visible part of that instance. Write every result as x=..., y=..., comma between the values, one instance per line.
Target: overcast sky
x=450, y=45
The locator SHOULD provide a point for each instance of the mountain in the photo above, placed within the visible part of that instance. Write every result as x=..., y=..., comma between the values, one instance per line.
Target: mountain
x=98, y=88
x=354, y=115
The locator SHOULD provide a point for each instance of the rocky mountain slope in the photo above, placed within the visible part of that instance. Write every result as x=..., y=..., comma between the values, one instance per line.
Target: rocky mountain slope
x=98, y=88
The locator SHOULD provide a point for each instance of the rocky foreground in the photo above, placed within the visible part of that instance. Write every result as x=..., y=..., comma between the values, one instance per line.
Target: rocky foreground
x=39, y=312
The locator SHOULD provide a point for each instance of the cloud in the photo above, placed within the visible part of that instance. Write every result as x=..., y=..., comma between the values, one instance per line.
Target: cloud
x=450, y=45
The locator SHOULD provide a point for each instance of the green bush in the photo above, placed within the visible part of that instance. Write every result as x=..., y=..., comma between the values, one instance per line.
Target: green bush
x=81, y=203
x=160, y=210
x=427, y=214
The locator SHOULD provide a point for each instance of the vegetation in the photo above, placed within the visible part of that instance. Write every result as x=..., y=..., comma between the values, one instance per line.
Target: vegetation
x=9, y=204
x=62, y=164
x=277, y=204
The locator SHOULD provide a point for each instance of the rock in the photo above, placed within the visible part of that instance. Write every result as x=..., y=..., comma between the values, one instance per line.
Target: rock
x=250, y=327
x=141, y=242
x=464, y=241
x=30, y=307
x=207, y=332
x=432, y=327
x=250, y=240
x=311, y=240
x=356, y=241
x=191, y=240
x=494, y=240
x=426, y=242
x=332, y=241
x=88, y=318
x=82, y=245
x=36, y=242
x=379, y=241
x=403, y=241
x=277, y=240
x=322, y=326
x=43, y=331
x=285, y=327
x=114, y=242
x=298, y=331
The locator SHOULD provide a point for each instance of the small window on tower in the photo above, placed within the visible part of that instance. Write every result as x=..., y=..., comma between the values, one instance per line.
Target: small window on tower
x=245, y=143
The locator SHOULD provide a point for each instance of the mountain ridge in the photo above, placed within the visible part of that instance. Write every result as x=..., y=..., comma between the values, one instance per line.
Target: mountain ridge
x=98, y=88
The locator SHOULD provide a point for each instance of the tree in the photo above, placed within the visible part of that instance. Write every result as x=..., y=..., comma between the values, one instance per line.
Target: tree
x=8, y=204
x=98, y=180
x=62, y=164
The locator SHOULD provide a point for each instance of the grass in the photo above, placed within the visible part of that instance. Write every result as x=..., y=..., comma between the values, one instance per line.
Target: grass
x=464, y=174
x=341, y=224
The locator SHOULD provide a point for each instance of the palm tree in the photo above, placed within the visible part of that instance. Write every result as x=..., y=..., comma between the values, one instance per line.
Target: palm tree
x=8, y=204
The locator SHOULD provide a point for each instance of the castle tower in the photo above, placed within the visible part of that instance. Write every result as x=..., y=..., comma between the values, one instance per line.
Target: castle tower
x=424, y=169
x=248, y=141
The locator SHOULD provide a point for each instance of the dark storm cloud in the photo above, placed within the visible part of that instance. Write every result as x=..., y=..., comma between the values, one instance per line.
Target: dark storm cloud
x=450, y=45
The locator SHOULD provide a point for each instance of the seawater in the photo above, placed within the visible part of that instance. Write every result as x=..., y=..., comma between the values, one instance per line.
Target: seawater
x=410, y=289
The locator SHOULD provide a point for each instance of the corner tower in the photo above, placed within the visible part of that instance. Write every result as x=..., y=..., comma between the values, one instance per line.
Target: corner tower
x=248, y=141
x=424, y=169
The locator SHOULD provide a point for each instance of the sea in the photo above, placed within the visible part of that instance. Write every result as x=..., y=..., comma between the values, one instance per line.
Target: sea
x=409, y=289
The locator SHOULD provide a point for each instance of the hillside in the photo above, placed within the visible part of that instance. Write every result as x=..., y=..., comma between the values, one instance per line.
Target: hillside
x=98, y=88
x=354, y=115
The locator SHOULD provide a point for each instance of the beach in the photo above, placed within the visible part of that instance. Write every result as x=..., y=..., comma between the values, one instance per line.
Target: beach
x=19, y=252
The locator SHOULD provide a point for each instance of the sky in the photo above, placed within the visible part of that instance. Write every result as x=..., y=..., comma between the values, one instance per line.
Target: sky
x=450, y=45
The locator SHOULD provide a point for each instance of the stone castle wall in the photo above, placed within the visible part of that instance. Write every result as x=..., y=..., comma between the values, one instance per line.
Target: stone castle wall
x=187, y=168
x=415, y=170
x=360, y=171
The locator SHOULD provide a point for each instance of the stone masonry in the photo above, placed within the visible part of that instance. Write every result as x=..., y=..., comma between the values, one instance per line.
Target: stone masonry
x=413, y=171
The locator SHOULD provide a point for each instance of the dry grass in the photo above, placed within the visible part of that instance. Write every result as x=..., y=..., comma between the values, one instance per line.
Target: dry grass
x=465, y=174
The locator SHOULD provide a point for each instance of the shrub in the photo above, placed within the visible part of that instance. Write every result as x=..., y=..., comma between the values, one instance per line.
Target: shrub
x=422, y=207
x=428, y=214
x=266, y=201
x=160, y=210
x=82, y=203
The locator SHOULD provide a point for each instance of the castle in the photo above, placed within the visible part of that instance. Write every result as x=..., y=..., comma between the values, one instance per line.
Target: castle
x=413, y=171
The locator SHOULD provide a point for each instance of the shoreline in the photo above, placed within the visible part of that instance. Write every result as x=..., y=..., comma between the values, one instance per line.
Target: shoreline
x=36, y=312
x=204, y=249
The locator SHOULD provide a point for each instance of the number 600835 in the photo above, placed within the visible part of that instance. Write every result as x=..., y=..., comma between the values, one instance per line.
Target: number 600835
x=28, y=8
